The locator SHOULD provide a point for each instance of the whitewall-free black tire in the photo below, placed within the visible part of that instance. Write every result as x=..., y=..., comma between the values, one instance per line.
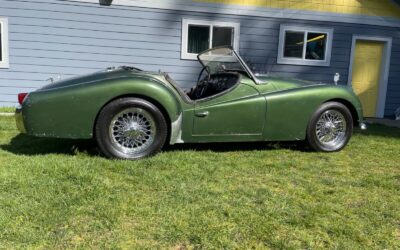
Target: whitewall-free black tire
x=130, y=128
x=330, y=127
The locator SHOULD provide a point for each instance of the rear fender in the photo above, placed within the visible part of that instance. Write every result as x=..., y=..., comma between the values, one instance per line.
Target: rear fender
x=71, y=112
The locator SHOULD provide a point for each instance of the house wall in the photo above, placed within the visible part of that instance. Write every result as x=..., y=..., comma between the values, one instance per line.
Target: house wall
x=50, y=37
x=354, y=7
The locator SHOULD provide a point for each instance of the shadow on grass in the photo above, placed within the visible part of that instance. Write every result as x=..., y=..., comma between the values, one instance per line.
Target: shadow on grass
x=239, y=146
x=379, y=130
x=28, y=145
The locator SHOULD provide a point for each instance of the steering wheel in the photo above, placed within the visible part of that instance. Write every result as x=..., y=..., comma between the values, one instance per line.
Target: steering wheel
x=202, y=84
x=199, y=80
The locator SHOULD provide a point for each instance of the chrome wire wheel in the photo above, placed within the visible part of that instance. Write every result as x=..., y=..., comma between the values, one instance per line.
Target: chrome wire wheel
x=132, y=131
x=331, y=128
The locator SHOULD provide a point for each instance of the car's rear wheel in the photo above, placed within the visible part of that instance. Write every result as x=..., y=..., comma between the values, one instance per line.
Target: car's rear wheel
x=130, y=128
x=330, y=127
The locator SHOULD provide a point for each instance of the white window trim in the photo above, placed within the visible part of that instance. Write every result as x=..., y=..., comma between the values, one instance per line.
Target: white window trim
x=303, y=61
x=185, y=28
x=4, y=63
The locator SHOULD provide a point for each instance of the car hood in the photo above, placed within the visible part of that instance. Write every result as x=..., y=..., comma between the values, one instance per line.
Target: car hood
x=281, y=83
x=107, y=74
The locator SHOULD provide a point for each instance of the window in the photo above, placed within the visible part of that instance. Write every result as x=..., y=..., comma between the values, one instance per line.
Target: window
x=3, y=43
x=305, y=46
x=198, y=36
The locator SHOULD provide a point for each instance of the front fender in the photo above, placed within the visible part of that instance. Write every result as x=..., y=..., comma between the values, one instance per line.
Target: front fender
x=71, y=112
x=289, y=111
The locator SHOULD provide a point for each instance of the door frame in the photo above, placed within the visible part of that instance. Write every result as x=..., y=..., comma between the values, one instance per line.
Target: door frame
x=383, y=82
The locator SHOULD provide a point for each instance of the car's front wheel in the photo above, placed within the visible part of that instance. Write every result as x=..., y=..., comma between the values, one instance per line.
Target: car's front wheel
x=130, y=128
x=330, y=127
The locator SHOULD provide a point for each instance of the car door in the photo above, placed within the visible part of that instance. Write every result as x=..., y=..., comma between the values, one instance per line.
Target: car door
x=236, y=115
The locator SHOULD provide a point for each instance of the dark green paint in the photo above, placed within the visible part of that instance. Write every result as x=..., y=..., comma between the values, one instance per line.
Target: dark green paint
x=240, y=100
x=273, y=109
x=69, y=109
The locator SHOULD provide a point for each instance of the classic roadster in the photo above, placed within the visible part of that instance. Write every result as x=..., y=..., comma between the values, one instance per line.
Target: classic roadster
x=132, y=113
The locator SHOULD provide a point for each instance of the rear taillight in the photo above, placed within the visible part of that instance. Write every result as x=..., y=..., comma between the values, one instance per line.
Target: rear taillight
x=21, y=97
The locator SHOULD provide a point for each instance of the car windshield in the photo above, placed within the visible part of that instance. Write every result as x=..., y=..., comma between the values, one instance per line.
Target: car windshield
x=223, y=59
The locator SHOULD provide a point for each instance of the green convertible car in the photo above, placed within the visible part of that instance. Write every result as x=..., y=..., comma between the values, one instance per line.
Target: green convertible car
x=133, y=114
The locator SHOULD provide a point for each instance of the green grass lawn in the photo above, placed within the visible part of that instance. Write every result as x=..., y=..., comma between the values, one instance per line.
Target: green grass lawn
x=62, y=194
x=7, y=109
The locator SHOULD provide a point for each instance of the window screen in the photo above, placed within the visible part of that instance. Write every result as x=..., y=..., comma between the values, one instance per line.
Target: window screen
x=316, y=46
x=222, y=36
x=294, y=42
x=201, y=35
x=198, y=38
x=302, y=45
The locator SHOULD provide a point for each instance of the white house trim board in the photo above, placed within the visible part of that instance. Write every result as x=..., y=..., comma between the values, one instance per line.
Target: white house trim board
x=4, y=63
x=383, y=82
x=235, y=9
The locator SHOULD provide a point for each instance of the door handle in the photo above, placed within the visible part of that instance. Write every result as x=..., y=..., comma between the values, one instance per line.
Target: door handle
x=202, y=114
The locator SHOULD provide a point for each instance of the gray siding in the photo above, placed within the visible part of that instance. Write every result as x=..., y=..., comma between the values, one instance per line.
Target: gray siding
x=54, y=37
